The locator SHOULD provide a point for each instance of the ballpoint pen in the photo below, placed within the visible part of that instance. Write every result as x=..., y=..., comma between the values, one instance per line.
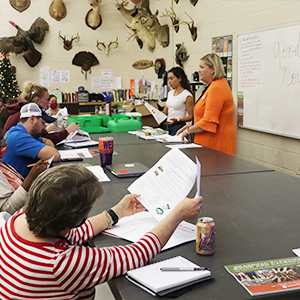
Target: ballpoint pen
x=184, y=269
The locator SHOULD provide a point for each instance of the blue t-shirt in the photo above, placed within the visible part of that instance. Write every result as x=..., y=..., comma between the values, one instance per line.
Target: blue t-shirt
x=22, y=149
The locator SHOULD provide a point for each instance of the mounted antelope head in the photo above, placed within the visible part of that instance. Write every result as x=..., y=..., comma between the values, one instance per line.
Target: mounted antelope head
x=173, y=17
x=106, y=48
x=192, y=28
x=93, y=18
x=57, y=10
x=68, y=43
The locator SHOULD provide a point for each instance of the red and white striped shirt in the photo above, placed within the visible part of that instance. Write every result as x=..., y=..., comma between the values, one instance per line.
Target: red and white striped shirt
x=30, y=270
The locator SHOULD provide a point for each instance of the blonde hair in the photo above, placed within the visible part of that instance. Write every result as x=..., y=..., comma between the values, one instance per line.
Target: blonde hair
x=212, y=60
x=32, y=91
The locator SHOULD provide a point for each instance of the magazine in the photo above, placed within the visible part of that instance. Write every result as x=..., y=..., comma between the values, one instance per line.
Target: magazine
x=266, y=277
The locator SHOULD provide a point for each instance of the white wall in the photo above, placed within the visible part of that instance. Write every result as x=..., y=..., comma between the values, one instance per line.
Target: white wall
x=212, y=17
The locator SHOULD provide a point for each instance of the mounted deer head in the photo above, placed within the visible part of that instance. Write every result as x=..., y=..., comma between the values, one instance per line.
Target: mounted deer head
x=93, y=18
x=161, y=32
x=173, y=17
x=192, y=28
x=68, y=43
x=57, y=10
x=106, y=48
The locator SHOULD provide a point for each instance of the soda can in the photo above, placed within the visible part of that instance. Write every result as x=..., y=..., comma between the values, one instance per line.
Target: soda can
x=205, y=241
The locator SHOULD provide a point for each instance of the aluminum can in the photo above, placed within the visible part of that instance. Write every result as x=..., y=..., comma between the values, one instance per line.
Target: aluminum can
x=205, y=241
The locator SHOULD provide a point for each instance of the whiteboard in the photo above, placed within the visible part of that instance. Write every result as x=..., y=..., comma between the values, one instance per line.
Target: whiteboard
x=269, y=80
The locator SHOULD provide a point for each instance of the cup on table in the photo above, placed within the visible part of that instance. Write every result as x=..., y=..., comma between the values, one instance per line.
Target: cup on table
x=106, y=149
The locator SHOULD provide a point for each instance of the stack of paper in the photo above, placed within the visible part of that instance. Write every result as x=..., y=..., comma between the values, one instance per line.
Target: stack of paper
x=78, y=139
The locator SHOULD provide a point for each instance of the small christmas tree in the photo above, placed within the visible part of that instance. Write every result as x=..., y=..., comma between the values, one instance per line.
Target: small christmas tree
x=8, y=82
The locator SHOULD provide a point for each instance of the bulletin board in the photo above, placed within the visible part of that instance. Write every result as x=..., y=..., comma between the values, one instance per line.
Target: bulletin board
x=269, y=80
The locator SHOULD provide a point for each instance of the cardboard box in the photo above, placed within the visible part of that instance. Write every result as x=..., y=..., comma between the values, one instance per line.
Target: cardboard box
x=147, y=118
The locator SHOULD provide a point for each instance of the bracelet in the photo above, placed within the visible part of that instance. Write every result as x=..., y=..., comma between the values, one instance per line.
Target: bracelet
x=187, y=132
x=114, y=216
x=109, y=220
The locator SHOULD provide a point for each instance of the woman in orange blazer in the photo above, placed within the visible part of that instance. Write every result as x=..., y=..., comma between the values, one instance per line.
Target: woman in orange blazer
x=213, y=125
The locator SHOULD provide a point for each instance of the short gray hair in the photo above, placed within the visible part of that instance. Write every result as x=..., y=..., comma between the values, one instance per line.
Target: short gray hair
x=60, y=198
x=213, y=60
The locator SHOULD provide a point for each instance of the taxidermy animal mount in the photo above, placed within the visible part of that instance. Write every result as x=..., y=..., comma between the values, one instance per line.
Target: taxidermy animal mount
x=20, y=5
x=93, y=18
x=144, y=24
x=106, y=48
x=181, y=54
x=194, y=2
x=57, y=10
x=174, y=19
x=192, y=28
x=22, y=42
x=85, y=60
x=68, y=43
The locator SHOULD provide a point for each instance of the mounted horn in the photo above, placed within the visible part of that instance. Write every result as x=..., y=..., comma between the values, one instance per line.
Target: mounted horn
x=68, y=43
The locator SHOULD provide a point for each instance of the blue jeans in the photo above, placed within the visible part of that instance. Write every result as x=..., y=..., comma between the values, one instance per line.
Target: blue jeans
x=174, y=128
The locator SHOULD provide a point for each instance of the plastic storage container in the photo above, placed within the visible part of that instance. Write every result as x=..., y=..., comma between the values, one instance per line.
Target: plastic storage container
x=91, y=124
x=124, y=123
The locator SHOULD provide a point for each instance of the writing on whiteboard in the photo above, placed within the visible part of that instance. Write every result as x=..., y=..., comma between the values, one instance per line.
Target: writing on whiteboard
x=281, y=54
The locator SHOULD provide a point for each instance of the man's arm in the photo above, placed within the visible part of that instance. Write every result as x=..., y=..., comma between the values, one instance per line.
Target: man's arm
x=47, y=152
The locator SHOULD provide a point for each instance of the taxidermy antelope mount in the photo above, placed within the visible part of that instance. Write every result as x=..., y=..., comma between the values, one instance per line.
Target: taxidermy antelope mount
x=68, y=43
x=19, y=5
x=192, y=28
x=93, y=18
x=173, y=17
x=106, y=48
x=57, y=10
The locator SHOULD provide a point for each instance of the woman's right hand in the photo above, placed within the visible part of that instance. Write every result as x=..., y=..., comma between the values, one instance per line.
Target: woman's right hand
x=189, y=208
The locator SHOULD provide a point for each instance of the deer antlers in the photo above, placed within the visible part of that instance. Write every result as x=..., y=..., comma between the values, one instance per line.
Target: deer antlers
x=106, y=48
x=68, y=43
x=173, y=17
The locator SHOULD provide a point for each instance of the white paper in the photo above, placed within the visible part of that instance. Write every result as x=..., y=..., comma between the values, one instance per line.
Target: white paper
x=76, y=153
x=44, y=76
x=296, y=251
x=50, y=161
x=198, y=177
x=166, y=183
x=157, y=115
x=134, y=227
x=170, y=138
x=117, y=83
x=183, y=146
x=99, y=173
x=96, y=83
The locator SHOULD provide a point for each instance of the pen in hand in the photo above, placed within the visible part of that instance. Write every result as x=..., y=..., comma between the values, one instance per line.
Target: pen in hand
x=184, y=269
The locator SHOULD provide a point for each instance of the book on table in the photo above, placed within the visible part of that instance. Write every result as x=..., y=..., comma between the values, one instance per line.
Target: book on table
x=157, y=282
x=269, y=276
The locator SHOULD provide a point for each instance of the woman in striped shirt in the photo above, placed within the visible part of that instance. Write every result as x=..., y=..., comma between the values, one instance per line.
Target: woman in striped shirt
x=41, y=247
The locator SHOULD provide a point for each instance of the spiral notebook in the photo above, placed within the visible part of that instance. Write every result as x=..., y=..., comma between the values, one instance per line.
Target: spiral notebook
x=157, y=282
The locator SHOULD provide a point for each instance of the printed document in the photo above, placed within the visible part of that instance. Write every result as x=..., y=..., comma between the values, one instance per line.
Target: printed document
x=168, y=182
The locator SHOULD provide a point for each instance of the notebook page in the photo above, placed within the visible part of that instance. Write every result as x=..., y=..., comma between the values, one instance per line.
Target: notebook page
x=156, y=280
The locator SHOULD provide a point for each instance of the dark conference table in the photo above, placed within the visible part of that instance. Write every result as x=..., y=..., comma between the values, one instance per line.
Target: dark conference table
x=255, y=209
x=131, y=148
x=256, y=216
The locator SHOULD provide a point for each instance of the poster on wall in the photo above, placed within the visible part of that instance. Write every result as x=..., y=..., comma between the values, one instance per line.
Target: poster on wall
x=222, y=45
x=44, y=76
